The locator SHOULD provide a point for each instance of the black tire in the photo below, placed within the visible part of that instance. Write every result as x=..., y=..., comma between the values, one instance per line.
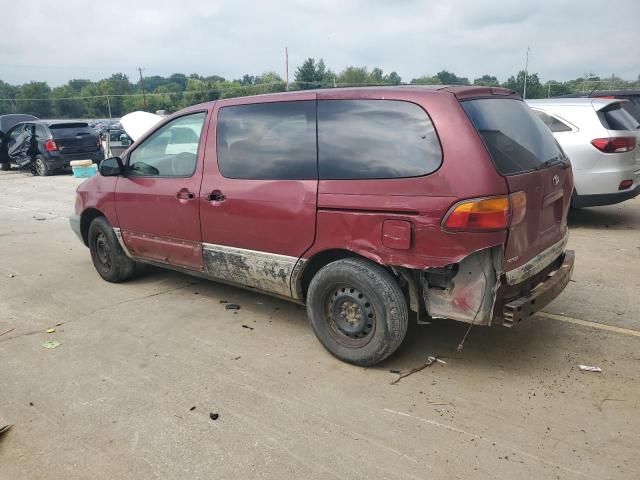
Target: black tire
x=357, y=310
x=110, y=261
x=40, y=167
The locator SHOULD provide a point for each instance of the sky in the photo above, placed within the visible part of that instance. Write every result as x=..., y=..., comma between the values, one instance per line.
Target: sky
x=58, y=41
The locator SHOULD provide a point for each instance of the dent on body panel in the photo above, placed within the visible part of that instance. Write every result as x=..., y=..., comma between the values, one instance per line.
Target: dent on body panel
x=260, y=270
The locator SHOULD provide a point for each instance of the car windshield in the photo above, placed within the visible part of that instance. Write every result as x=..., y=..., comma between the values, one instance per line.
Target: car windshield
x=517, y=140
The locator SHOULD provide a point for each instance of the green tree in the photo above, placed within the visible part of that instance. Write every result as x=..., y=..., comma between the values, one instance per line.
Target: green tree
x=7, y=98
x=34, y=98
x=426, y=80
x=313, y=75
x=487, y=81
x=355, y=76
x=448, y=78
x=534, y=88
x=63, y=107
x=393, y=79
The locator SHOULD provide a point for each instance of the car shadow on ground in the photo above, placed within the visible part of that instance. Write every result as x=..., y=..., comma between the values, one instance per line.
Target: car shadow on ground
x=614, y=216
x=490, y=348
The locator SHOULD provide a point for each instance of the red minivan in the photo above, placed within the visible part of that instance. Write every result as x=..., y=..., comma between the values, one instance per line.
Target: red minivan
x=361, y=203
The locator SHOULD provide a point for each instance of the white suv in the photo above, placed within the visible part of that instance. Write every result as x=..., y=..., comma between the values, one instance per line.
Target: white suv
x=600, y=138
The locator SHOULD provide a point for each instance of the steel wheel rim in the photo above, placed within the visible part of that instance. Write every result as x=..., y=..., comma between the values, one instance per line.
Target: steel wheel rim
x=103, y=251
x=350, y=316
x=39, y=167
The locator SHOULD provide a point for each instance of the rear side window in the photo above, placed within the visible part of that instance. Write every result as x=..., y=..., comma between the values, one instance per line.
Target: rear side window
x=268, y=141
x=614, y=117
x=553, y=123
x=367, y=139
x=41, y=131
x=516, y=139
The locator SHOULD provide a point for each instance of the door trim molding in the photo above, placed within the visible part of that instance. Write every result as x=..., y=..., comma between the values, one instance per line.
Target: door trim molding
x=270, y=272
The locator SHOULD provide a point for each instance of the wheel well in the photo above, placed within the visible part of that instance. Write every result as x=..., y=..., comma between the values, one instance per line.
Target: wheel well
x=85, y=221
x=315, y=263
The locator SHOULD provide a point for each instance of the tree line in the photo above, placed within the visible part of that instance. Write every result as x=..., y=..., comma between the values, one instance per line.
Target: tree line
x=117, y=95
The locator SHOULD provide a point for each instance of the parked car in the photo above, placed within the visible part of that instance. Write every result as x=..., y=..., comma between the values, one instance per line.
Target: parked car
x=600, y=138
x=361, y=203
x=7, y=122
x=633, y=97
x=47, y=146
x=115, y=142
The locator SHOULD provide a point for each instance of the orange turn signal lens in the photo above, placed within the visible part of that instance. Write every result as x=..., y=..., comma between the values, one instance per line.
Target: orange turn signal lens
x=486, y=214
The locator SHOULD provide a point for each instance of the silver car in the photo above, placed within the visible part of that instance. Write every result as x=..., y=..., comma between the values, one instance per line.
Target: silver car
x=600, y=138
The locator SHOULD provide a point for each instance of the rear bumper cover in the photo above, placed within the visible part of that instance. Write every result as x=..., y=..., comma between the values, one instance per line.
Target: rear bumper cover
x=602, y=199
x=523, y=307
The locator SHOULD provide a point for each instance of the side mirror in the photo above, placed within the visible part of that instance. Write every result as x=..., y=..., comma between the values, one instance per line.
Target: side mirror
x=111, y=167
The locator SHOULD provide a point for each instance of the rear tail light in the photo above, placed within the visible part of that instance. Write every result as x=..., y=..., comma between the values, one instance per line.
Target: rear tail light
x=615, y=144
x=487, y=214
x=625, y=184
x=50, y=146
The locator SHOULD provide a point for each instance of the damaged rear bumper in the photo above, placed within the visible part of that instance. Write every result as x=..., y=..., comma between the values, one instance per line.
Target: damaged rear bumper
x=549, y=288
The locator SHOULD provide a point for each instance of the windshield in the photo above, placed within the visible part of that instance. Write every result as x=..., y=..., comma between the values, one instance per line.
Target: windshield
x=517, y=140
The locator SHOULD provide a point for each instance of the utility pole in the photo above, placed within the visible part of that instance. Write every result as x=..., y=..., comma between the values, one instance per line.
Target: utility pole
x=286, y=62
x=526, y=74
x=144, y=96
x=549, y=90
x=109, y=106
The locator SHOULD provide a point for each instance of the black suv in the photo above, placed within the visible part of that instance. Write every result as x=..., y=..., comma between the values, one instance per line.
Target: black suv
x=47, y=146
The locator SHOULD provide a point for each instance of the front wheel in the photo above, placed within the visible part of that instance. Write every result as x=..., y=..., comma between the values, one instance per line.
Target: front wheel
x=110, y=261
x=357, y=310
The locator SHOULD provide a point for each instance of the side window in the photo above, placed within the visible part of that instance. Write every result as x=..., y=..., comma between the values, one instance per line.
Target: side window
x=171, y=151
x=268, y=141
x=359, y=139
x=41, y=131
x=553, y=123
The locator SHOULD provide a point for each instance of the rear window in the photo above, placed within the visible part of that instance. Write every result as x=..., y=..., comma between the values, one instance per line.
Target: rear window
x=516, y=138
x=367, y=139
x=614, y=117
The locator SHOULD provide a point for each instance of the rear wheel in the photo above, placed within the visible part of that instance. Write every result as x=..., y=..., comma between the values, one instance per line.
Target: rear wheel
x=357, y=310
x=109, y=259
x=40, y=167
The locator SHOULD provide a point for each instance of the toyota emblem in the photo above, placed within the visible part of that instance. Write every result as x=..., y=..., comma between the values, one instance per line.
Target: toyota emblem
x=556, y=179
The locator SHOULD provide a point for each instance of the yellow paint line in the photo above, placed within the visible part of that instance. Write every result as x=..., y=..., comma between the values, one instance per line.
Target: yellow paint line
x=586, y=323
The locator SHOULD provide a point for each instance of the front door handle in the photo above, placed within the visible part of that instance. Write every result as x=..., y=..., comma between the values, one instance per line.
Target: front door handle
x=216, y=196
x=185, y=194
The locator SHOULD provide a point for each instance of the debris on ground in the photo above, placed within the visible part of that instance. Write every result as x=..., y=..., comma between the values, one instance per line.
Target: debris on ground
x=192, y=408
x=430, y=361
x=11, y=275
x=232, y=306
x=50, y=330
x=51, y=344
x=587, y=368
x=5, y=429
x=224, y=301
x=247, y=326
x=39, y=218
x=214, y=416
x=8, y=331
x=238, y=357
